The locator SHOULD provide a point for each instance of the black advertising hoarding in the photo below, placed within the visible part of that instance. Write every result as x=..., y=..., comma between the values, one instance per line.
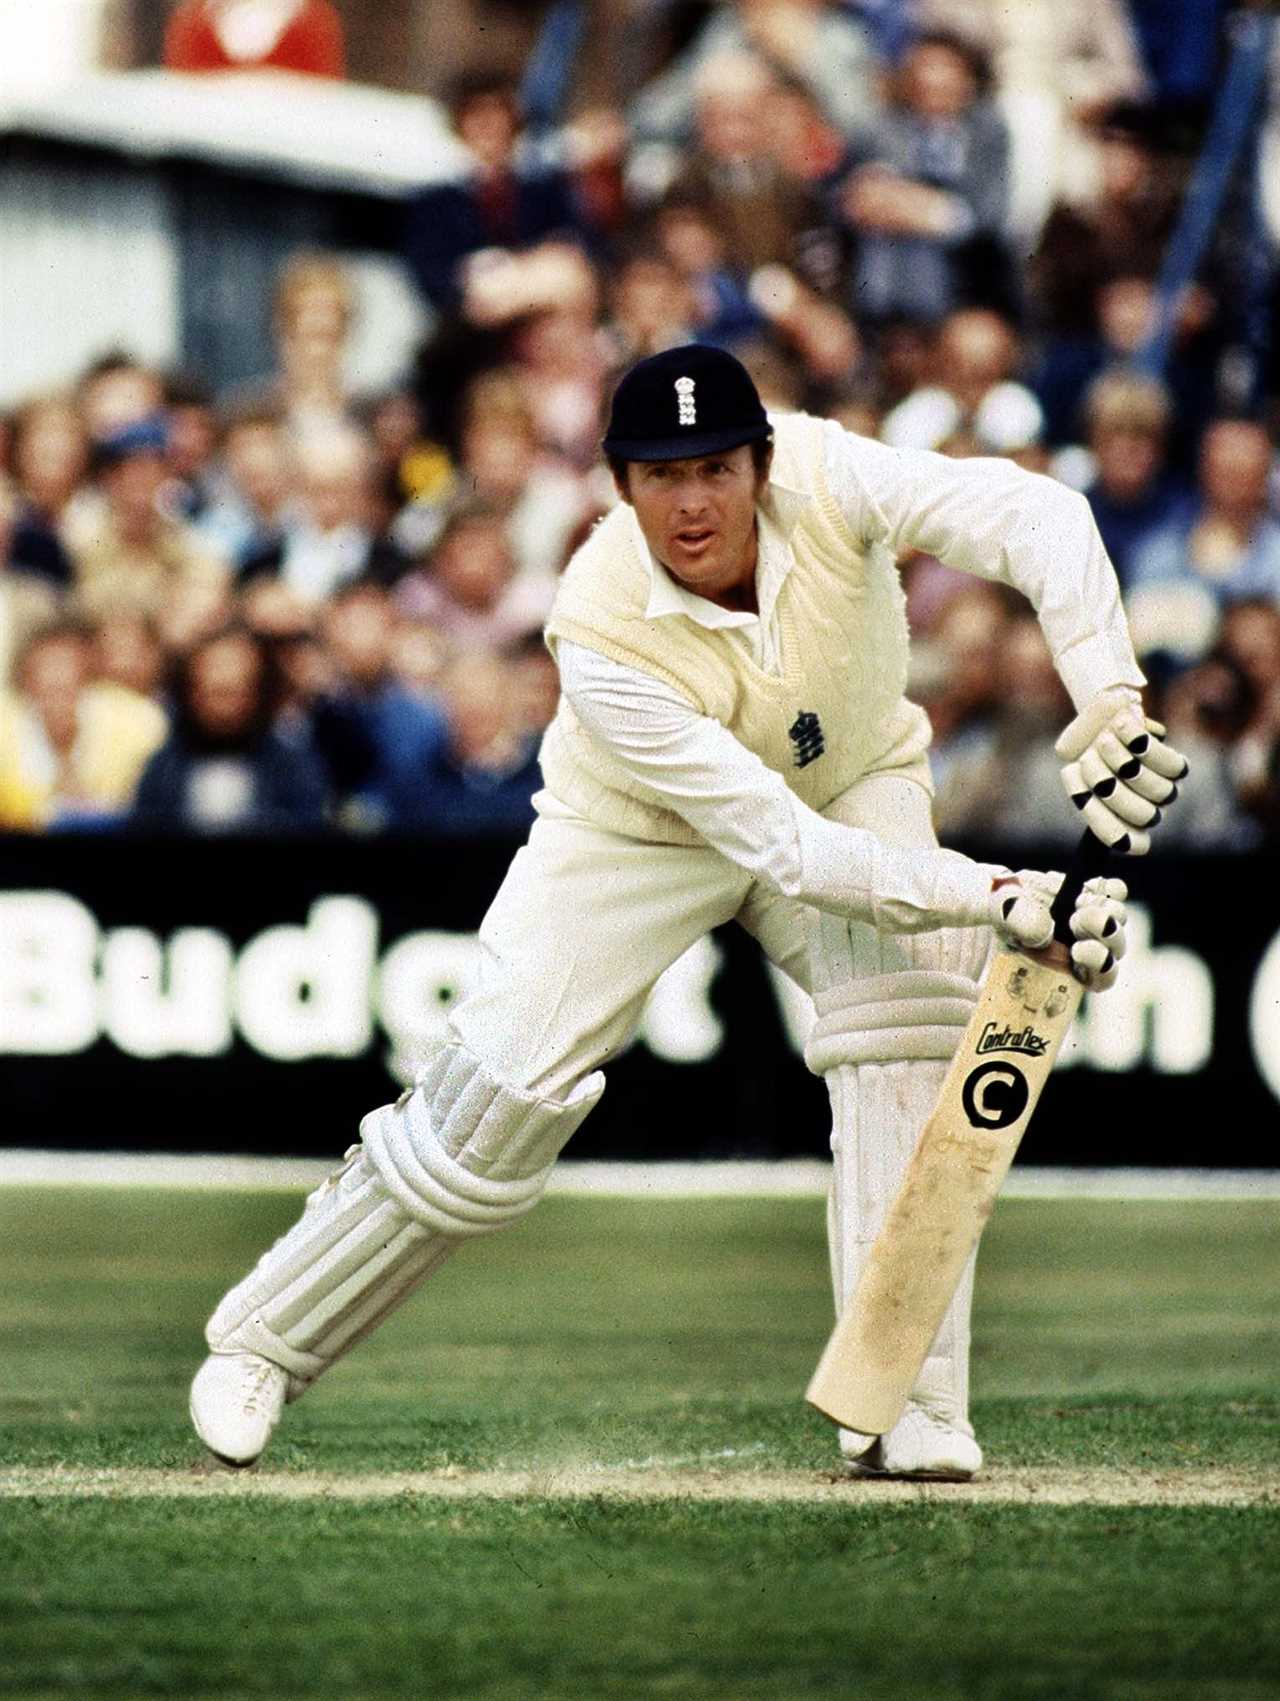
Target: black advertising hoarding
x=221, y=995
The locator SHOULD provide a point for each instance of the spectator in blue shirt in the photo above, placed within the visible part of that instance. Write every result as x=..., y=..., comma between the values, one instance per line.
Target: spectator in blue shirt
x=1230, y=543
x=1132, y=493
x=364, y=706
x=928, y=198
x=512, y=196
x=224, y=767
x=481, y=779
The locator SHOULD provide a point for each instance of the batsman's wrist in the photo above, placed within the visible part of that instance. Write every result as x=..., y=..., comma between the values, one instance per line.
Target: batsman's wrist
x=971, y=885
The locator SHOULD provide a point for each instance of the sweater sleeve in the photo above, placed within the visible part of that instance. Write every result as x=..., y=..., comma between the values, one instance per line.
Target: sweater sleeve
x=991, y=518
x=746, y=811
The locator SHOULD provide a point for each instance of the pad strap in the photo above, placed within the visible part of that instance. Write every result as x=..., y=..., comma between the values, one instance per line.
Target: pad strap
x=462, y=1153
x=913, y=1014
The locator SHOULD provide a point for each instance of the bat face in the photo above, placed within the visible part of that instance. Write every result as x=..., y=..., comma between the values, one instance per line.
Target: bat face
x=991, y=1089
x=1014, y=1046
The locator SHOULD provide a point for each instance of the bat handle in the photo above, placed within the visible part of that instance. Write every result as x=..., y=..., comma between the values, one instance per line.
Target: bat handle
x=1090, y=857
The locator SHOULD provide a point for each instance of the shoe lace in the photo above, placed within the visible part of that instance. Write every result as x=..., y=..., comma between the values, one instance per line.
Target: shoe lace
x=257, y=1385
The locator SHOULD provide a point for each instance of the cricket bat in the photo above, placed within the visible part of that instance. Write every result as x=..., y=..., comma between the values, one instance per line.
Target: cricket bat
x=1025, y=1008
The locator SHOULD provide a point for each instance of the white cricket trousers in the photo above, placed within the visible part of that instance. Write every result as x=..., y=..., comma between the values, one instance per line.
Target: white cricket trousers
x=586, y=921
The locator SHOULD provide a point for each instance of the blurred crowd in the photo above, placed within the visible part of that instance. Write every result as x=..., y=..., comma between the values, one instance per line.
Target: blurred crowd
x=298, y=607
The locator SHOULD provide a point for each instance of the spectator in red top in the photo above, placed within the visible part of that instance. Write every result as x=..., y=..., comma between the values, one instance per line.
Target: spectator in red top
x=252, y=35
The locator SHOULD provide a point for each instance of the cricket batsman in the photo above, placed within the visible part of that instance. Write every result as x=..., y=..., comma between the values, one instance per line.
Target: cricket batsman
x=733, y=742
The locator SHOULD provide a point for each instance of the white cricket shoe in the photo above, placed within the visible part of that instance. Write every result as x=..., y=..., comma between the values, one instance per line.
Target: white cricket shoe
x=236, y=1401
x=922, y=1444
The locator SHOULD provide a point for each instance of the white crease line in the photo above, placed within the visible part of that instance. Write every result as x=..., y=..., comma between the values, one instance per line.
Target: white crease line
x=1049, y=1486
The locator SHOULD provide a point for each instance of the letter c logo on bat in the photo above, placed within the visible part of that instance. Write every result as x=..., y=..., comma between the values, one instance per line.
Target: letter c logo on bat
x=994, y=1095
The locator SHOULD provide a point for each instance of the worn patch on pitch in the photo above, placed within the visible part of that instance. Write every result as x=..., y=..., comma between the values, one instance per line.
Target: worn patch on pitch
x=1015, y=1486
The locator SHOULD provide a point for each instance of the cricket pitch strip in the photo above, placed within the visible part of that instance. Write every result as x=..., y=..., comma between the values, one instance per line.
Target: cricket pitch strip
x=1053, y=1485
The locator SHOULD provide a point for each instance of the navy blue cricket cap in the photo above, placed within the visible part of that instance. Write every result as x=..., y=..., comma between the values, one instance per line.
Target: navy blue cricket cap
x=693, y=400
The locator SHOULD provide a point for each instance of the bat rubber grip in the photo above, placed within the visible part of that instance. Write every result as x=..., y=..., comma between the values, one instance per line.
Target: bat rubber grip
x=1090, y=857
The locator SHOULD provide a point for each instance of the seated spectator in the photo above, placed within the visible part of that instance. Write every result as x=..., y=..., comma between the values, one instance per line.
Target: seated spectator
x=191, y=442
x=118, y=391
x=1249, y=642
x=822, y=45
x=817, y=335
x=418, y=657
x=766, y=215
x=503, y=466
x=255, y=35
x=1124, y=312
x=468, y=589
x=313, y=310
x=126, y=651
x=1132, y=493
x=776, y=374
x=224, y=767
x=127, y=551
x=28, y=600
x=328, y=536
x=510, y=200
x=955, y=677
x=976, y=355
x=1120, y=231
x=651, y=307
x=409, y=467
x=71, y=749
x=1060, y=65
x=1007, y=785
x=482, y=778
x=363, y=702
x=1208, y=707
x=51, y=464
x=310, y=711
x=533, y=686
x=1230, y=544
x=253, y=488
x=562, y=359
x=927, y=198
x=689, y=232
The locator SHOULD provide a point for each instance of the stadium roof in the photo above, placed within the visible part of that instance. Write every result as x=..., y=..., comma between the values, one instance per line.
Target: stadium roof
x=275, y=123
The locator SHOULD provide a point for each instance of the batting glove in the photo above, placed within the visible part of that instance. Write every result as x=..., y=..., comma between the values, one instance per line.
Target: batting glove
x=1118, y=771
x=1020, y=906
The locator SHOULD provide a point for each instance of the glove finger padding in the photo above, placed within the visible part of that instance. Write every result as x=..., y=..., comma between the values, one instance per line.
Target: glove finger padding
x=1126, y=838
x=1117, y=771
x=1094, y=965
x=1108, y=785
x=1150, y=785
x=1020, y=905
x=1144, y=739
x=1098, y=926
x=1103, y=923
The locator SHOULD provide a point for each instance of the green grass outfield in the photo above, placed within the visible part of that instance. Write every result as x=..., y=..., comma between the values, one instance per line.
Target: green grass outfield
x=578, y=1465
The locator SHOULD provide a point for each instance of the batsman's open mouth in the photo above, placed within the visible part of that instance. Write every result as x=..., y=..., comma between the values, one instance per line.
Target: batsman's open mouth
x=695, y=542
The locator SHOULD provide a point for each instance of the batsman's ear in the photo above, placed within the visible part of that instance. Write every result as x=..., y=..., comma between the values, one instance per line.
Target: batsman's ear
x=620, y=477
x=762, y=459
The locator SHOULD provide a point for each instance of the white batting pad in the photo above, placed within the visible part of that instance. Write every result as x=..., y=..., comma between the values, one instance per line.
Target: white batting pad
x=348, y=1261
x=892, y=1009
x=459, y=1155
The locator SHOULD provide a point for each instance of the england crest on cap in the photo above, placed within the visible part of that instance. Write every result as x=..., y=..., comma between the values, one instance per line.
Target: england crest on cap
x=717, y=406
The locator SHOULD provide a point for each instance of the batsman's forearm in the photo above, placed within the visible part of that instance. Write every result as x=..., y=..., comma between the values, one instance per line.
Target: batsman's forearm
x=897, y=888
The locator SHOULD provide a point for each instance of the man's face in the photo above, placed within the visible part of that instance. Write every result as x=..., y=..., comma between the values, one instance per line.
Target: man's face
x=699, y=518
